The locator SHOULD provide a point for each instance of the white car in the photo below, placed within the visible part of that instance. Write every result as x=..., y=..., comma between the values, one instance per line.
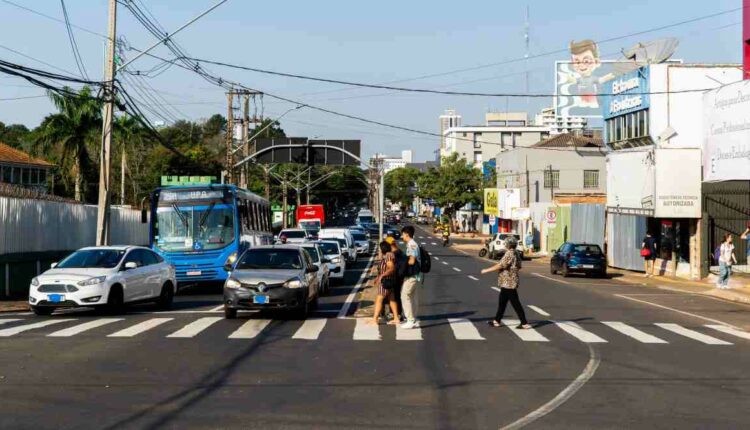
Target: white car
x=293, y=236
x=331, y=251
x=107, y=276
x=320, y=261
x=362, y=242
x=497, y=244
x=344, y=237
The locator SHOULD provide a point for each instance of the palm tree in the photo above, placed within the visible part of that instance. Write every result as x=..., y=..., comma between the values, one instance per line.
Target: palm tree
x=129, y=135
x=77, y=122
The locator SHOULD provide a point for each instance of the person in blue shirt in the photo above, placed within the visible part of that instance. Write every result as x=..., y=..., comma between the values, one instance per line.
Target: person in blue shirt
x=409, y=292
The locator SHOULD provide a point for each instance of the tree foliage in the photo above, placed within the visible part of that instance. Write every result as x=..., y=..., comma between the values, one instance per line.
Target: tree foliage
x=400, y=185
x=452, y=185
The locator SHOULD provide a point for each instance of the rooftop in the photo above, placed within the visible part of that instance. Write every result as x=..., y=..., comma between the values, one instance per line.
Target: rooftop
x=12, y=155
x=567, y=140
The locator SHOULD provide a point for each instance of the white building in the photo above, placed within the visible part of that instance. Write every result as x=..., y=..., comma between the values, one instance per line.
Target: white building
x=448, y=120
x=391, y=162
x=559, y=124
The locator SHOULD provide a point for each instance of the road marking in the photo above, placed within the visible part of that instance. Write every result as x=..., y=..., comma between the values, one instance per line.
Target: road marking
x=217, y=309
x=140, y=327
x=538, y=310
x=729, y=330
x=463, y=329
x=365, y=330
x=250, y=329
x=433, y=243
x=22, y=328
x=456, y=269
x=678, y=311
x=692, y=334
x=408, y=334
x=444, y=262
x=528, y=335
x=310, y=329
x=473, y=278
x=633, y=332
x=80, y=328
x=435, y=258
x=563, y=396
x=9, y=320
x=551, y=279
x=497, y=289
x=196, y=327
x=579, y=332
x=353, y=295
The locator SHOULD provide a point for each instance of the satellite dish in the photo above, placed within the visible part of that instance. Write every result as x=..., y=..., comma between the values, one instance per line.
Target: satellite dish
x=643, y=54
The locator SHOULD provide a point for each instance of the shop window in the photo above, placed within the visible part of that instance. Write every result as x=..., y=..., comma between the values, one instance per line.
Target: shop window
x=551, y=179
x=590, y=179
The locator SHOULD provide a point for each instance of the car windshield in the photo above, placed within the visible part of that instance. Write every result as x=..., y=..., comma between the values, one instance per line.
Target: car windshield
x=92, y=258
x=270, y=259
x=587, y=249
x=329, y=248
x=194, y=228
x=313, y=253
x=366, y=219
x=359, y=236
x=341, y=241
x=293, y=234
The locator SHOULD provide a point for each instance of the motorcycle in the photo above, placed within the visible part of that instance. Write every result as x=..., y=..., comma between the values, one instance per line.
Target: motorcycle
x=486, y=249
x=446, y=239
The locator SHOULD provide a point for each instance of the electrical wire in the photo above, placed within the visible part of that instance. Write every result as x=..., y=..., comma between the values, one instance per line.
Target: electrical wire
x=73, y=44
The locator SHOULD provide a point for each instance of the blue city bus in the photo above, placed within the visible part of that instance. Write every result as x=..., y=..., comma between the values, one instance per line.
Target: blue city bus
x=200, y=228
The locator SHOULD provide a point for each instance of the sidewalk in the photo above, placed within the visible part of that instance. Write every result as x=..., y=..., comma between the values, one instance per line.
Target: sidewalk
x=14, y=306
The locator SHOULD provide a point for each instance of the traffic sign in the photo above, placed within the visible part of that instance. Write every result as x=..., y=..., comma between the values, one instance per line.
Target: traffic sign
x=551, y=217
x=493, y=220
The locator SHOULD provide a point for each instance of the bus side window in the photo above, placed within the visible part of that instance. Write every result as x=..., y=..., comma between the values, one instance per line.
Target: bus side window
x=256, y=217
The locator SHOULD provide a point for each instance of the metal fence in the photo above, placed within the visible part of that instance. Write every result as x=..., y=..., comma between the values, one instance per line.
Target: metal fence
x=587, y=223
x=625, y=235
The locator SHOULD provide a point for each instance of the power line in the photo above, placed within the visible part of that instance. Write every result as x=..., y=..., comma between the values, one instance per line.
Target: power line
x=73, y=44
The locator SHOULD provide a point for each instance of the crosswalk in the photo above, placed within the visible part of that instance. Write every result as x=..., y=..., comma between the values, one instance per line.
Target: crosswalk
x=462, y=329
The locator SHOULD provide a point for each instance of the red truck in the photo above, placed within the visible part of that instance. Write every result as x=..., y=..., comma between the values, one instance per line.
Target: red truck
x=310, y=217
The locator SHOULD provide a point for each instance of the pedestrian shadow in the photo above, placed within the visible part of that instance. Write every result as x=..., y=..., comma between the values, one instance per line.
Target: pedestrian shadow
x=542, y=323
x=441, y=319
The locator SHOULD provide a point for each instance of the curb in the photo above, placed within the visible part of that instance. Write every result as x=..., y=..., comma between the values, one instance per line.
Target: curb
x=716, y=294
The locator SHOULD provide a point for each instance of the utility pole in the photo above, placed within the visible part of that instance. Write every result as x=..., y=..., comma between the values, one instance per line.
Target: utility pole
x=105, y=156
x=309, y=180
x=123, y=164
x=229, y=178
x=245, y=149
x=283, y=201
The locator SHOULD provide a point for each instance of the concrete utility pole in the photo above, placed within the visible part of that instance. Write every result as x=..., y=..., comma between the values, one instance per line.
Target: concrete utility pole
x=229, y=178
x=105, y=155
x=123, y=164
x=244, y=171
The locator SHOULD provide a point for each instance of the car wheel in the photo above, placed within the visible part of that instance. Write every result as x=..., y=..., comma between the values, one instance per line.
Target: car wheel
x=115, y=301
x=303, y=310
x=42, y=311
x=230, y=313
x=565, y=271
x=603, y=274
x=166, y=297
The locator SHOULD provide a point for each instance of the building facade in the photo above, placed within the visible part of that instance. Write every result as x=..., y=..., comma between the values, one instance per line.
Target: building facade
x=21, y=169
x=392, y=162
x=449, y=119
x=560, y=124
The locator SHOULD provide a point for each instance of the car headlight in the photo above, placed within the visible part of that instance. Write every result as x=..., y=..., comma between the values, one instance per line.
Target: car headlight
x=293, y=283
x=92, y=281
x=336, y=260
x=35, y=282
x=232, y=283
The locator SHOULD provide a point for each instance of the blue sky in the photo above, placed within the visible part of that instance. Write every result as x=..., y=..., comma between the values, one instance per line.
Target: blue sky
x=359, y=41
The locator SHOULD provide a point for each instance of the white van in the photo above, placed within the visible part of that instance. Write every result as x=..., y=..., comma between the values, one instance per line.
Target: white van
x=364, y=217
x=344, y=237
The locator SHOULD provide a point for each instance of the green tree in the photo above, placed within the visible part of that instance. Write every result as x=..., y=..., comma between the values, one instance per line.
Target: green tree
x=400, y=185
x=76, y=125
x=452, y=185
x=15, y=135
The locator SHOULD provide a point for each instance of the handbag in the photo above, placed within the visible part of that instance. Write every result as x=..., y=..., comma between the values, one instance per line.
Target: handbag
x=645, y=252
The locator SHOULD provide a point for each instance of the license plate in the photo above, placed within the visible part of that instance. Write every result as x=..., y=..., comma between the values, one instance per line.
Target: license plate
x=587, y=266
x=194, y=273
x=260, y=300
x=56, y=298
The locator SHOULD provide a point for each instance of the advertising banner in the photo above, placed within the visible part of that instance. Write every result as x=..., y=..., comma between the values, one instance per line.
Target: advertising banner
x=520, y=213
x=726, y=133
x=490, y=201
x=678, y=195
x=508, y=199
x=626, y=94
x=579, y=81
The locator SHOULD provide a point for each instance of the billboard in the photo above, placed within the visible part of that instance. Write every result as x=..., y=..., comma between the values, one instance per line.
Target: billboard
x=726, y=133
x=625, y=94
x=579, y=80
x=490, y=201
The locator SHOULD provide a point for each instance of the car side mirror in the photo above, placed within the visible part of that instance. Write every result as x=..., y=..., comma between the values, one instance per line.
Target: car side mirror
x=144, y=216
x=336, y=269
x=325, y=260
x=53, y=265
x=130, y=265
x=312, y=269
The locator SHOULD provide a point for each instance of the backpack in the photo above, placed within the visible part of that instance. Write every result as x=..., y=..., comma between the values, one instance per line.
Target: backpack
x=402, y=264
x=425, y=261
x=717, y=253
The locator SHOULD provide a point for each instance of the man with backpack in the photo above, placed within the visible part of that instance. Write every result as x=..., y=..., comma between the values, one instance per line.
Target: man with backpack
x=413, y=275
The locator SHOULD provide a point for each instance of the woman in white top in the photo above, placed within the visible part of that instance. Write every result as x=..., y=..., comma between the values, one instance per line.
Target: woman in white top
x=726, y=259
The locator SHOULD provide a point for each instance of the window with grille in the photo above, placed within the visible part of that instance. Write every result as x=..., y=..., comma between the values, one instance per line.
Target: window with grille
x=590, y=179
x=551, y=179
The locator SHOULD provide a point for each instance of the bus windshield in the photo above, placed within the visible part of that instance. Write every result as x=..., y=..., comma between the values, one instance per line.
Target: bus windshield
x=194, y=228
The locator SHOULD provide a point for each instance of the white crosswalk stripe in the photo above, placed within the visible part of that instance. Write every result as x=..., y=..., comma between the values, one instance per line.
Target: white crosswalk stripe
x=692, y=334
x=80, y=328
x=444, y=262
x=9, y=320
x=473, y=278
x=633, y=332
x=538, y=310
x=26, y=327
x=250, y=329
x=579, y=332
x=433, y=244
x=729, y=330
x=456, y=269
x=408, y=334
x=463, y=329
x=310, y=329
x=527, y=335
x=196, y=327
x=364, y=330
x=140, y=327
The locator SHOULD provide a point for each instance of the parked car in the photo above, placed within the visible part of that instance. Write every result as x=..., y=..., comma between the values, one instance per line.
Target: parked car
x=579, y=258
x=331, y=251
x=317, y=257
x=272, y=277
x=105, y=276
x=497, y=245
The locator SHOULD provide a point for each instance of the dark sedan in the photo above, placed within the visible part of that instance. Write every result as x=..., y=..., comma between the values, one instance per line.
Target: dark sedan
x=579, y=258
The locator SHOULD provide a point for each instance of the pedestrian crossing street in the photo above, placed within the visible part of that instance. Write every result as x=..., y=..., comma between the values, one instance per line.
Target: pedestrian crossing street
x=360, y=329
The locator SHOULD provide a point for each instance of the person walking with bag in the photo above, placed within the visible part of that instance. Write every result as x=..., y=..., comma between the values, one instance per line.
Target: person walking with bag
x=507, y=280
x=386, y=283
x=726, y=260
x=648, y=252
x=409, y=293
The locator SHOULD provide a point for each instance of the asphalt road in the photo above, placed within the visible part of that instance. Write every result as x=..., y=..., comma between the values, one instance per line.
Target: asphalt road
x=602, y=355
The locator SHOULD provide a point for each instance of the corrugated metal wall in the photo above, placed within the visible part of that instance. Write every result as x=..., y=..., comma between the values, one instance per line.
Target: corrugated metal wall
x=587, y=223
x=625, y=235
x=40, y=226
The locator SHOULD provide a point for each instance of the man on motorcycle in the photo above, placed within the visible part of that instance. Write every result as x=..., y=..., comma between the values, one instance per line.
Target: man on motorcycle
x=446, y=235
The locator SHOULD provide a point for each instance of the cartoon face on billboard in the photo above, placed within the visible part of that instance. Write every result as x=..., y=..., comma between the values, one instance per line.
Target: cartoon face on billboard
x=579, y=81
